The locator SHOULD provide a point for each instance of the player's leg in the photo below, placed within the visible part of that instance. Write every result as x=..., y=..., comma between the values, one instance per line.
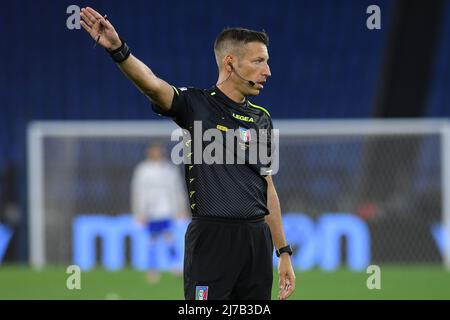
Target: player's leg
x=211, y=261
x=255, y=281
x=153, y=275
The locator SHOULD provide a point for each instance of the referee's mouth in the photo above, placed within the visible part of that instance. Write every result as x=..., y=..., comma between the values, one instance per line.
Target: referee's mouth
x=261, y=84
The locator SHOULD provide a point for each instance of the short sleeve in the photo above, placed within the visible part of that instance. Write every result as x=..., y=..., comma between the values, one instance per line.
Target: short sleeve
x=270, y=137
x=181, y=107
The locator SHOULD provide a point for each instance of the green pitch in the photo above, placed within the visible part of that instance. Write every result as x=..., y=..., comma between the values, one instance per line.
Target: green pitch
x=397, y=282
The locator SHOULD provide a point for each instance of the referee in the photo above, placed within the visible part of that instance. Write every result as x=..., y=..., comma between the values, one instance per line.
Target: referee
x=236, y=215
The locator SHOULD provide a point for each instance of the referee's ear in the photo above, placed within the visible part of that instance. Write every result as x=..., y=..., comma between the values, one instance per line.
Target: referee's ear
x=228, y=63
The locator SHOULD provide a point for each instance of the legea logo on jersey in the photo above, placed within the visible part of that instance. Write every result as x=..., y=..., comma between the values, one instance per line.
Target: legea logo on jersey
x=243, y=118
x=222, y=145
x=201, y=293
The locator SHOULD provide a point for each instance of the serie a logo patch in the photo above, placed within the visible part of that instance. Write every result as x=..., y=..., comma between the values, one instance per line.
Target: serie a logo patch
x=201, y=293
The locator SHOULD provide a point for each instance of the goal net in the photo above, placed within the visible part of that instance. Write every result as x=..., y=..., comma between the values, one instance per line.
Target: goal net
x=367, y=191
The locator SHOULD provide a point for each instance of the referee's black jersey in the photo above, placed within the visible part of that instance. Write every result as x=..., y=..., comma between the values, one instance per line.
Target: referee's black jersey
x=238, y=190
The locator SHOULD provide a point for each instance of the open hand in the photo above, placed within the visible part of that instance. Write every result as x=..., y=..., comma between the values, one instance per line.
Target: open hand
x=286, y=280
x=100, y=29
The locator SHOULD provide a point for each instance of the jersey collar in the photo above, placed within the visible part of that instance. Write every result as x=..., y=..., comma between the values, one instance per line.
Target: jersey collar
x=227, y=100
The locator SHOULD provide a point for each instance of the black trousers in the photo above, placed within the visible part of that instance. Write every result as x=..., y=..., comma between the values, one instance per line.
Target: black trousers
x=228, y=259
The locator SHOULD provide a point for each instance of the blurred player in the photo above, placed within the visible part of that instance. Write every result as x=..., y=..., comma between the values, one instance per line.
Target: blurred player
x=236, y=215
x=157, y=199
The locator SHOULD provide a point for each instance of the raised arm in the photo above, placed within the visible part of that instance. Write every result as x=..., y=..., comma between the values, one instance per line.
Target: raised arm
x=147, y=82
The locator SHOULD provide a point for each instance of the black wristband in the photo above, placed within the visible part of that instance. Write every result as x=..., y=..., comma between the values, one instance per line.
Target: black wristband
x=120, y=54
x=286, y=249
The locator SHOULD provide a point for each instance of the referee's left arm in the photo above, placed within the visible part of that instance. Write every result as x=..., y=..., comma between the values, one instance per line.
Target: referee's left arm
x=286, y=272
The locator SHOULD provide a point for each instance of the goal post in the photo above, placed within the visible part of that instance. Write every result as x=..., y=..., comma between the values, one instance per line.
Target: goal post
x=446, y=191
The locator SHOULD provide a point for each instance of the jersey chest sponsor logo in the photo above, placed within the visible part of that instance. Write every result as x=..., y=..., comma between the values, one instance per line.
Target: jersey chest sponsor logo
x=243, y=118
x=222, y=128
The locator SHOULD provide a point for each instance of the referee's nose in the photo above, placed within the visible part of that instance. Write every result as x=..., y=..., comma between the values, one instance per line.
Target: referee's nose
x=266, y=72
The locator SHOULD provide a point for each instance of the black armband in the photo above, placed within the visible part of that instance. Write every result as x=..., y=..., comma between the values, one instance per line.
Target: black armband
x=120, y=54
